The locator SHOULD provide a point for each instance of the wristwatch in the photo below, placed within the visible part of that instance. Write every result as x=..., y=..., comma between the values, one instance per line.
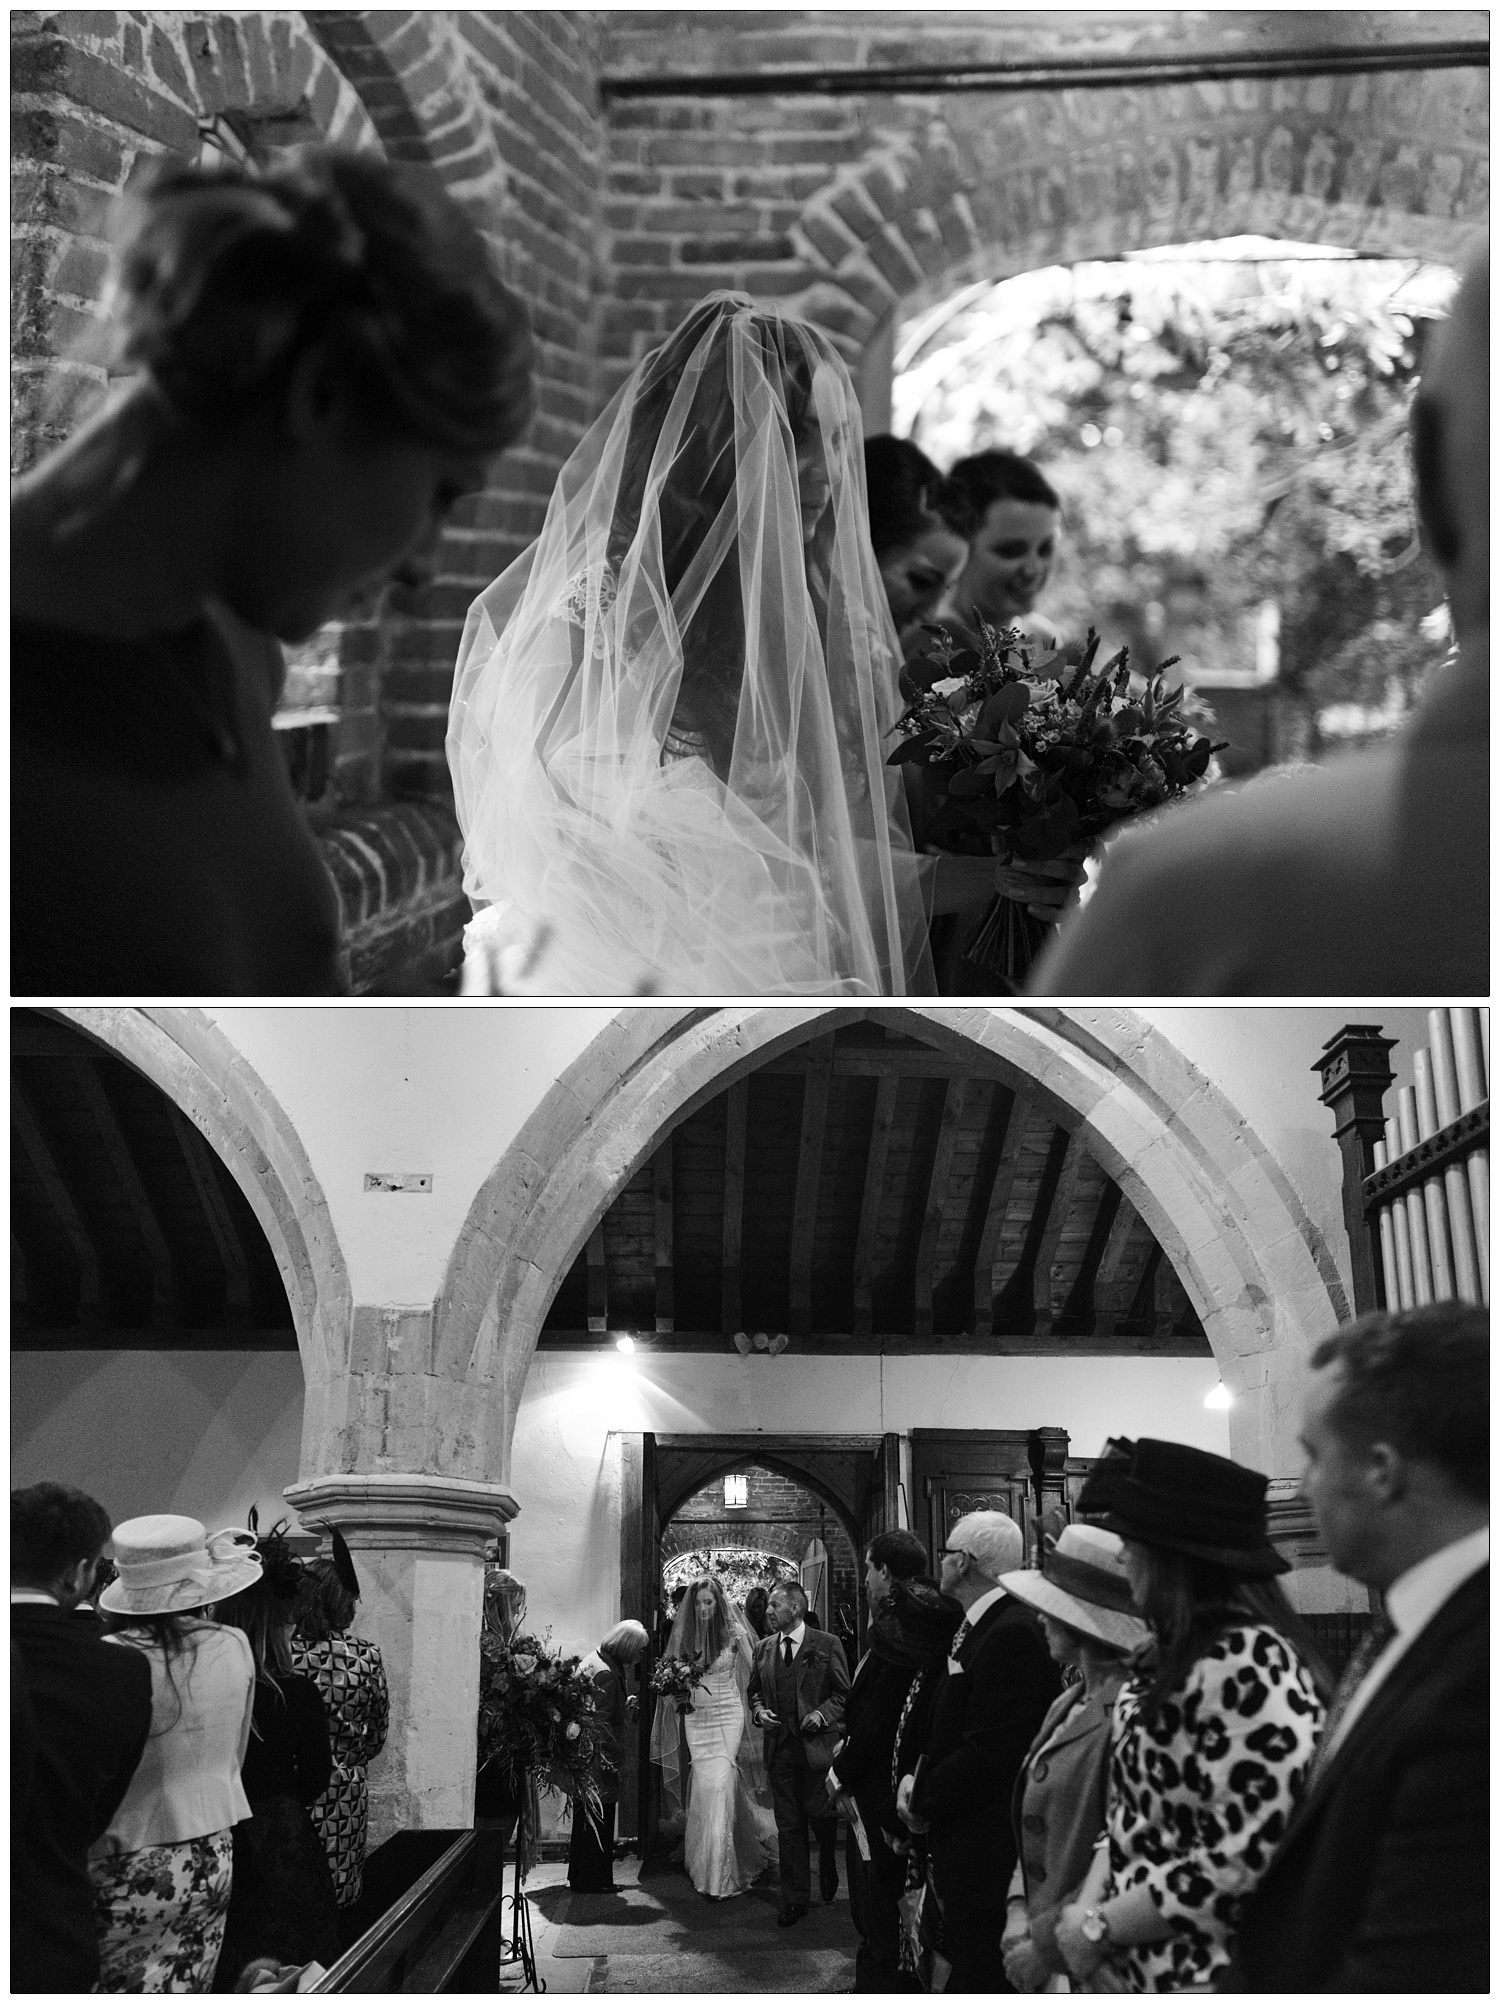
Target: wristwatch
x=1094, y=1926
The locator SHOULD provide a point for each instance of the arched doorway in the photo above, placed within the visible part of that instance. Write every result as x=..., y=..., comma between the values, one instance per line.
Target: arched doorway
x=751, y=1524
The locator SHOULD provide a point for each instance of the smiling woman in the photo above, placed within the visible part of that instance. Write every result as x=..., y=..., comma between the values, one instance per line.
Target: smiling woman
x=321, y=360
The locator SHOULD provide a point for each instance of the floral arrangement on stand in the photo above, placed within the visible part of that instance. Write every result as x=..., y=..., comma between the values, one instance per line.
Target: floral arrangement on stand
x=1038, y=755
x=676, y=1678
x=536, y=1726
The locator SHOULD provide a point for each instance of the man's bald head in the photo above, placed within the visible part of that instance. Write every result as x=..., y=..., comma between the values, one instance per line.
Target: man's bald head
x=1451, y=446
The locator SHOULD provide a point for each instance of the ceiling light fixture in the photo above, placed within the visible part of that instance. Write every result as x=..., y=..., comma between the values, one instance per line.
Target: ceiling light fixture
x=1218, y=1400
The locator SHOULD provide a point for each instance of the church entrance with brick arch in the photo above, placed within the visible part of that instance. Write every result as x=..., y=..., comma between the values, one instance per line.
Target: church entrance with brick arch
x=886, y=161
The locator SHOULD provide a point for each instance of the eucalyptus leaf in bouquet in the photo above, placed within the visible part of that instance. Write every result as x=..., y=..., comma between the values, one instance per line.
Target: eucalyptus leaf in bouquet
x=1035, y=752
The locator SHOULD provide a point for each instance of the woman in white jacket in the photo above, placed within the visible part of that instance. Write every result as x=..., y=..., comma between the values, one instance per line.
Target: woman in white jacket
x=161, y=1872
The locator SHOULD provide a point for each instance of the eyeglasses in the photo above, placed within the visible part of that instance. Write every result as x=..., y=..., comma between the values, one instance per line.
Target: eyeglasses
x=952, y=1552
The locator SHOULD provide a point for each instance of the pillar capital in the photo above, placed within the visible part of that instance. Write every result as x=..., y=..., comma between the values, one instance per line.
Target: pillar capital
x=398, y=1512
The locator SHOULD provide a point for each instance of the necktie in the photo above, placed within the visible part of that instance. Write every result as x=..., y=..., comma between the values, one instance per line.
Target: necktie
x=960, y=1636
x=1359, y=1666
x=786, y=1651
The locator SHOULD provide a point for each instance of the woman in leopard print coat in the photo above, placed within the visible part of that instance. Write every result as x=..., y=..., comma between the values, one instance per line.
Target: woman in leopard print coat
x=1213, y=1733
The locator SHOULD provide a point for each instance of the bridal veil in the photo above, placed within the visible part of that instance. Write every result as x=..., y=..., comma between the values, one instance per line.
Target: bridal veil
x=671, y=714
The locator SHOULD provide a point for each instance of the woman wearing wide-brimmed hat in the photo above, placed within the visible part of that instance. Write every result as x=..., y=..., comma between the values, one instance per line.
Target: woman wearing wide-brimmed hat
x=1082, y=1594
x=1214, y=1729
x=161, y=1872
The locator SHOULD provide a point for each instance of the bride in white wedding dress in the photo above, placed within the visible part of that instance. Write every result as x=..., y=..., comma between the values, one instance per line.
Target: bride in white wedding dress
x=671, y=715
x=730, y=1838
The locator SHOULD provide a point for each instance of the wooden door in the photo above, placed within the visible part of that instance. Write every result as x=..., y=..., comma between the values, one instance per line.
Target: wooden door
x=640, y=1600
x=882, y=1512
x=1019, y=1471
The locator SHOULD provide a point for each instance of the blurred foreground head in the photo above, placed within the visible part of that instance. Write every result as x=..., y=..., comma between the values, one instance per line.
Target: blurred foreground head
x=1451, y=450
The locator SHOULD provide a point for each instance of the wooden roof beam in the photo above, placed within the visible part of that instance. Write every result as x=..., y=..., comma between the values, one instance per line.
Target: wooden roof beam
x=737, y=1102
x=809, y=1175
x=661, y=1185
x=871, y=1199
x=1043, y=1278
x=24, y=1120
x=226, y=1236
x=1111, y=1302
x=937, y=1196
x=127, y=1176
x=994, y=1219
x=598, y=1273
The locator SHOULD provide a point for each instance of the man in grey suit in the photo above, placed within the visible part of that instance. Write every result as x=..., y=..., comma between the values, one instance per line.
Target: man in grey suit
x=796, y=1696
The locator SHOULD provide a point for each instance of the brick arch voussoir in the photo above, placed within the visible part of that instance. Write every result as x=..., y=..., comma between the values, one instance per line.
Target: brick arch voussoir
x=189, y=1058
x=732, y=1462
x=1253, y=1263
x=408, y=70
x=267, y=67
x=915, y=220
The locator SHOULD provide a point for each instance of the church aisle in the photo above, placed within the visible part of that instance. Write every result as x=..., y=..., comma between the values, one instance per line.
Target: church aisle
x=662, y=1937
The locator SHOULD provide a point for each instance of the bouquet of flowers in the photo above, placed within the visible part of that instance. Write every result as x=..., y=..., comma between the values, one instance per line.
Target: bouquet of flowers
x=536, y=1719
x=674, y=1677
x=1036, y=755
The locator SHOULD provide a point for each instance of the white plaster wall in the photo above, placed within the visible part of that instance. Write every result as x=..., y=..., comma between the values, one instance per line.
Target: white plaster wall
x=203, y=1433
x=566, y=1542
x=393, y=1088
x=1262, y=1059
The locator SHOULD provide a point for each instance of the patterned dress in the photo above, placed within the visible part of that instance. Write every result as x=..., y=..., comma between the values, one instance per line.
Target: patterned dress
x=160, y=1913
x=1199, y=1797
x=351, y=1682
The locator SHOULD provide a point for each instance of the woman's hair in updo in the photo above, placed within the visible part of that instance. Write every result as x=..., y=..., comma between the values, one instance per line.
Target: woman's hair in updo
x=224, y=278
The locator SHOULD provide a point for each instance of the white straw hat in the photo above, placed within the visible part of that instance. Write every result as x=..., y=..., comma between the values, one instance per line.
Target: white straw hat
x=1084, y=1585
x=169, y=1564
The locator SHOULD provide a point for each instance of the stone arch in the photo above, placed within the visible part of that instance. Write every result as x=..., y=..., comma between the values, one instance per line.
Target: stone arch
x=984, y=189
x=1258, y=1272
x=195, y=1065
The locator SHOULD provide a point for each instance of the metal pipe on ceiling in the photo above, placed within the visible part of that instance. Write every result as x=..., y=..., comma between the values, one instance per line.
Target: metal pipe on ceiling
x=1061, y=73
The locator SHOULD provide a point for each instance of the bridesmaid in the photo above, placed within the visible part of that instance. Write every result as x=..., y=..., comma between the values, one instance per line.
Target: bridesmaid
x=591, y=1849
x=320, y=360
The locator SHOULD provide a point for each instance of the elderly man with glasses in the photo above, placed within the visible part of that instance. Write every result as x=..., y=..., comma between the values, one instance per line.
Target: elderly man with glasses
x=999, y=1685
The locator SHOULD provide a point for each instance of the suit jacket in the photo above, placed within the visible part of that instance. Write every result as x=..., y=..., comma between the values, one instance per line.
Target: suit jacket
x=872, y=1712
x=91, y=1713
x=986, y=1713
x=822, y=1677
x=1382, y=1879
x=1057, y=1812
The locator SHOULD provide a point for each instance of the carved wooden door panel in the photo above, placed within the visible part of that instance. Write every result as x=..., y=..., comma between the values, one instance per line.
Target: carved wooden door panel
x=955, y=1472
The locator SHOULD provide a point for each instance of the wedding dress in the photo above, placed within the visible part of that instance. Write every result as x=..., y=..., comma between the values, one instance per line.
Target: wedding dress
x=731, y=1837
x=671, y=715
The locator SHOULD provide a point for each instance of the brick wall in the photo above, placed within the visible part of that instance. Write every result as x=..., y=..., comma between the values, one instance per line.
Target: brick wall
x=780, y=1517
x=856, y=210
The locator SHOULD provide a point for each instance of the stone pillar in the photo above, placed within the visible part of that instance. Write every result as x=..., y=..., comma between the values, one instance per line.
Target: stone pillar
x=418, y=1544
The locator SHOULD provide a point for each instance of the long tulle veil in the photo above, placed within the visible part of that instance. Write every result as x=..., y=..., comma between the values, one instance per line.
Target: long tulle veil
x=671, y=714
x=667, y=1728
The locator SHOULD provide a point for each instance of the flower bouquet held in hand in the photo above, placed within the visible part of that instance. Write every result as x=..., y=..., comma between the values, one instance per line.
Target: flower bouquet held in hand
x=536, y=1720
x=675, y=1677
x=1040, y=756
